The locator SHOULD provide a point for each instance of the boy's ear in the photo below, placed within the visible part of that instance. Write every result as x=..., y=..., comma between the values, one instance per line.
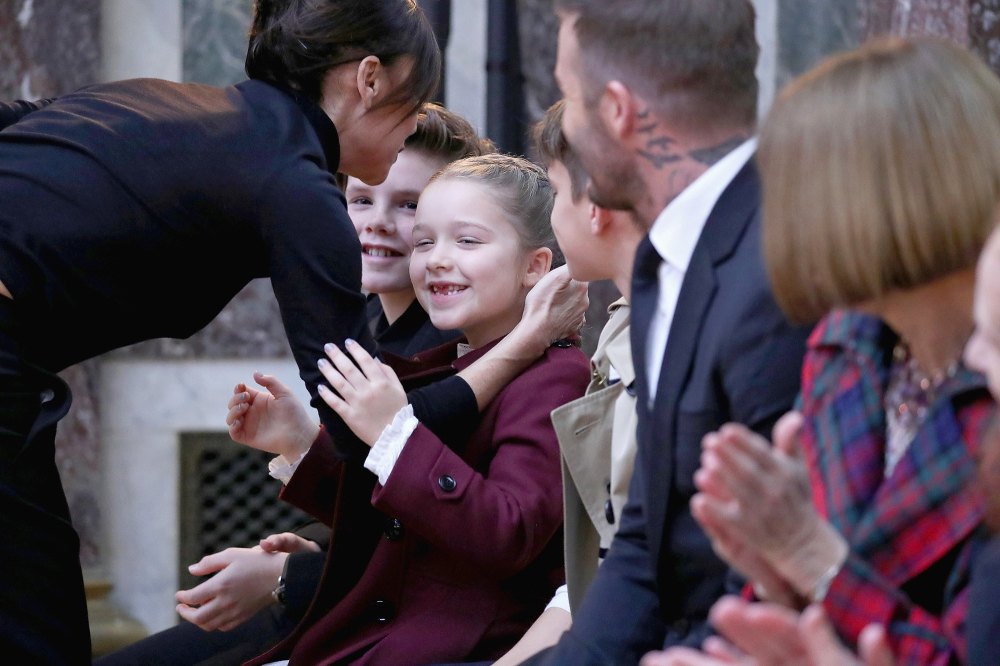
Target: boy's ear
x=600, y=219
x=539, y=263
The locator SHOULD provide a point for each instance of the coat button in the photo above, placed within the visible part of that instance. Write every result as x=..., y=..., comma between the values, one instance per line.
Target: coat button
x=394, y=530
x=447, y=483
x=384, y=612
x=609, y=512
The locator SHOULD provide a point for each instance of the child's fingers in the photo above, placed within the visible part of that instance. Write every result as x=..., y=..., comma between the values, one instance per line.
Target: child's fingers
x=238, y=400
x=275, y=386
x=345, y=365
x=368, y=365
x=234, y=414
x=335, y=402
x=336, y=380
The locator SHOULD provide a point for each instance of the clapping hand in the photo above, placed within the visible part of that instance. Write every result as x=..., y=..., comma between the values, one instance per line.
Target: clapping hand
x=272, y=420
x=755, y=501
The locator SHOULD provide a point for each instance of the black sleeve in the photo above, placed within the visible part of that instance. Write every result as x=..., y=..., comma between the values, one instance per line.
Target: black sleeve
x=448, y=408
x=302, y=575
x=11, y=112
x=315, y=268
x=316, y=532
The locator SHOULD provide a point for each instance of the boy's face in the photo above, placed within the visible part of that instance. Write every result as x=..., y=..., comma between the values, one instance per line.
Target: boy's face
x=383, y=216
x=571, y=222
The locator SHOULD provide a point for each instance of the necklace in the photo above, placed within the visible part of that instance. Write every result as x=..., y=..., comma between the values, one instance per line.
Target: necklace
x=908, y=398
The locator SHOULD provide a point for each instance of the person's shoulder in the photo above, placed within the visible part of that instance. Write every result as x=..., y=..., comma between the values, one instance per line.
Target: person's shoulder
x=558, y=376
x=558, y=362
x=849, y=329
x=559, y=358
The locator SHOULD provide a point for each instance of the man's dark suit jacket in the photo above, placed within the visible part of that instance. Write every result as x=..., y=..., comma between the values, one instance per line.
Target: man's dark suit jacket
x=731, y=356
x=983, y=622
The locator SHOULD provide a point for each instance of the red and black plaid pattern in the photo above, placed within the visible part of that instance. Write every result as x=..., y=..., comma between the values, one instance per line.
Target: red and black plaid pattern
x=898, y=526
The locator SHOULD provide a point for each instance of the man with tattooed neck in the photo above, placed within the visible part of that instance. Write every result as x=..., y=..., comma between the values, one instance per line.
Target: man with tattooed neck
x=660, y=106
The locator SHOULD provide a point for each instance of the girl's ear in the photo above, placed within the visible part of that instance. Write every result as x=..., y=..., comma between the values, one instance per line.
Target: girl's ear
x=539, y=263
x=370, y=80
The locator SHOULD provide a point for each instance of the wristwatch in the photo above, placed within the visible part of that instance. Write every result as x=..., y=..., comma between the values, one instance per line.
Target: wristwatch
x=278, y=593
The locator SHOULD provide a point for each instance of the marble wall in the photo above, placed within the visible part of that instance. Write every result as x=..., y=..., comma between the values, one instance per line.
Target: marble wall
x=807, y=31
x=48, y=47
x=215, y=40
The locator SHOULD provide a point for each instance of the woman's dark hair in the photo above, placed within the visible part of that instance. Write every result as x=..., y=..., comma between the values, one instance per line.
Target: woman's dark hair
x=296, y=42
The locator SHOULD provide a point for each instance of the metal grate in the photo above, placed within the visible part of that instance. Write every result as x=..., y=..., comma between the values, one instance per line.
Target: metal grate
x=227, y=499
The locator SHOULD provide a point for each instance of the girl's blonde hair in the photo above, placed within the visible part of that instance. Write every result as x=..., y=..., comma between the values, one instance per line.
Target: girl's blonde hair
x=519, y=187
x=881, y=171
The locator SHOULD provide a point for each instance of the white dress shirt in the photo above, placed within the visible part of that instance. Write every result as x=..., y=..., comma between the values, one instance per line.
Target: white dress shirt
x=674, y=234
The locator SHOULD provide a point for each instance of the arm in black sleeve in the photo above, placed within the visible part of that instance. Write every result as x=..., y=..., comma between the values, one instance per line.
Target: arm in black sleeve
x=11, y=112
x=448, y=408
x=302, y=575
x=315, y=268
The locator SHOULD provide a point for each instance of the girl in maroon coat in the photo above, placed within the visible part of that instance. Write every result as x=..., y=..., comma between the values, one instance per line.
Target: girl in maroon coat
x=445, y=546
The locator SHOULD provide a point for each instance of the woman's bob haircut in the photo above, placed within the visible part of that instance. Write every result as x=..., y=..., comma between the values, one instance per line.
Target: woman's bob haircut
x=881, y=172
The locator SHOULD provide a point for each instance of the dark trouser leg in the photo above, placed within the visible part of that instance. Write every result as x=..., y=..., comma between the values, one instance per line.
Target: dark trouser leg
x=187, y=645
x=43, y=611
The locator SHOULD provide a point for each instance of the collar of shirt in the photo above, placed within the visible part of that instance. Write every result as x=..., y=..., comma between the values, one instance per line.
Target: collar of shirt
x=676, y=230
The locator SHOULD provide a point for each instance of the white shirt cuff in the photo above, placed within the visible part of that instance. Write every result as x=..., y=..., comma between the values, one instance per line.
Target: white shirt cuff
x=386, y=450
x=282, y=469
x=560, y=599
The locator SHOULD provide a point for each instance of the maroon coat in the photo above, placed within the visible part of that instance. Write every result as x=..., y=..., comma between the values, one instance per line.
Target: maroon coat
x=457, y=554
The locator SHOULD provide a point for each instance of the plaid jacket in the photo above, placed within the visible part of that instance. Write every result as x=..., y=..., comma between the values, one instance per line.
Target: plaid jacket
x=917, y=523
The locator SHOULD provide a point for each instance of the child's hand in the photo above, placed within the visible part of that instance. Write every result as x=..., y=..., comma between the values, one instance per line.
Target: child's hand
x=272, y=420
x=368, y=394
x=288, y=542
x=241, y=586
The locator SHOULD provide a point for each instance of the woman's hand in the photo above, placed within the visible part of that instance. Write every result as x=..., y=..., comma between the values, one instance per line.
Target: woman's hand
x=825, y=649
x=729, y=545
x=554, y=309
x=759, y=496
x=273, y=420
x=241, y=586
x=368, y=394
x=760, y=634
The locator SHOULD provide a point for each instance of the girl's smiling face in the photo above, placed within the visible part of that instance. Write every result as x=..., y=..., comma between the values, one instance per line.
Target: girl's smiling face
x=383, y=216
x=469, y=267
